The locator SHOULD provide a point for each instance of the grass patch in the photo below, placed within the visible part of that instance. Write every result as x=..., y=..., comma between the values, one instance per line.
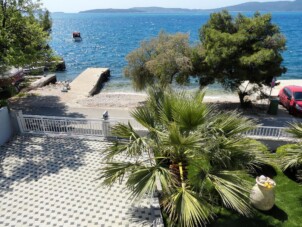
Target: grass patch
x=286, y=212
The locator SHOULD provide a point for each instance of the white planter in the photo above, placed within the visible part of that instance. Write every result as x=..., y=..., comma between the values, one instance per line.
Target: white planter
x=263, y=194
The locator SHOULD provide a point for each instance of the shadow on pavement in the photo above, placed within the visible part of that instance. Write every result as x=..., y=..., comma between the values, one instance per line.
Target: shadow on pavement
x=29, y=158
x=42, y=105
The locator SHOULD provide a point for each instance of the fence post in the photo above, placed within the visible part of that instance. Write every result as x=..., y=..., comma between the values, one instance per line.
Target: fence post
x=66, y=125
x=43, y=126
x=20, y=120
x=280, y=132
x=106, y=128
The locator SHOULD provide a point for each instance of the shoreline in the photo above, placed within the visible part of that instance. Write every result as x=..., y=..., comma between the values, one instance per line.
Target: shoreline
x=51, y=101
x=52, y=96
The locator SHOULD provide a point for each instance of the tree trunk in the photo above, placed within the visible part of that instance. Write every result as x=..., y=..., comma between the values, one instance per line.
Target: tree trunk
x=181, y=173
x=241, y=97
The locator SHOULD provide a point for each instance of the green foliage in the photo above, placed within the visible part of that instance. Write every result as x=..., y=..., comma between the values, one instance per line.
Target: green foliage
x=296, y=130
x=3, y=103
x=46, y=21
x=242, y=49
x=161, y=60
x=23, y=40
x=285, y=213
x=290, y=156
x=232, y=50
x=282, y=150
x=198, y=154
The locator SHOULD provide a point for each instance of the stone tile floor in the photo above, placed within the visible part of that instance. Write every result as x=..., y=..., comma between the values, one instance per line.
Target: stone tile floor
x=50, y=181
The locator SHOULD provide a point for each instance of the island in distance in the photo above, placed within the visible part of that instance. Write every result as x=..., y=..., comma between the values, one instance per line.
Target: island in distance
x=283, y=6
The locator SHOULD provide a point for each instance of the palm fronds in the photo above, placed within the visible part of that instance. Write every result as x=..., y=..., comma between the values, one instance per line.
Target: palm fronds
x=291, y=155
x=233, y=190
x=295, y=129
x=115, y=171
x=189, y=111
x=144, y=180
x=187, y=208
x=231, y=123
x=145, y=117
x=131, y=143
x=292, y=158
x=197, y=155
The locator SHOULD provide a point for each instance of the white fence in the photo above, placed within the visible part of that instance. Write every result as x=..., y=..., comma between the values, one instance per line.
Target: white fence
x=269, y=132
x=99, y=127
x=71, y=126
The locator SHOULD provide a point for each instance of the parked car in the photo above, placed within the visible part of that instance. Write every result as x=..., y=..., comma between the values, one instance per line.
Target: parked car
x=291, y=98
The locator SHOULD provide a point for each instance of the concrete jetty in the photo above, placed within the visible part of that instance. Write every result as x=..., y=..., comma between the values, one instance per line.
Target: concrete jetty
x=90, y=81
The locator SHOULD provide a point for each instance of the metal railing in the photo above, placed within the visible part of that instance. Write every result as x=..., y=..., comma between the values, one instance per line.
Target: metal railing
x=99, y=127
x=72, y=126
x=262, y=132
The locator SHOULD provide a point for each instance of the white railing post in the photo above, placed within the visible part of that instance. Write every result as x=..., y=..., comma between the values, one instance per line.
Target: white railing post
x=20, y=119
x=43, y=126
x=66, y=125
x=279, y=134
x=105, y=128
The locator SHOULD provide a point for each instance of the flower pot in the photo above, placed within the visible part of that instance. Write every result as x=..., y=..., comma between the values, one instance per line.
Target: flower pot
x=263, y=195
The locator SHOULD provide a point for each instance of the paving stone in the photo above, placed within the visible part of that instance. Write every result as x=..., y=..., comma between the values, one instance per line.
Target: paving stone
x=50, y=181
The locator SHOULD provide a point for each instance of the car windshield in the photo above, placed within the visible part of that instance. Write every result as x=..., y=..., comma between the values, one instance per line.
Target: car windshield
x=298, y=96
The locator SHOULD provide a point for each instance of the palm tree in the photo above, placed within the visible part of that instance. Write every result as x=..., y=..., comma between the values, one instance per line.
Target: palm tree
x=291, y=155
x=196, y=154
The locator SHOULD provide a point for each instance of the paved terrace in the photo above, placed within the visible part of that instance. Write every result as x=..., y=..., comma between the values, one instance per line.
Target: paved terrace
x=48, y=181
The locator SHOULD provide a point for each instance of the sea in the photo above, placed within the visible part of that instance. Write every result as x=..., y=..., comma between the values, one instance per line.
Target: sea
x=109, y=37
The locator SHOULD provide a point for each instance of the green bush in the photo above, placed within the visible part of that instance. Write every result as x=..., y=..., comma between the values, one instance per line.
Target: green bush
x=3, y=103
x=282, y=150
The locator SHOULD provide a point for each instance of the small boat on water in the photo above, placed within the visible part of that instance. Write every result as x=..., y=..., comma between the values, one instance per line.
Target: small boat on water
x=77, y=36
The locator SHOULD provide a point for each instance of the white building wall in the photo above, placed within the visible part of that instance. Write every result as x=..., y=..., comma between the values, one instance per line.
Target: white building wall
x=5, y=125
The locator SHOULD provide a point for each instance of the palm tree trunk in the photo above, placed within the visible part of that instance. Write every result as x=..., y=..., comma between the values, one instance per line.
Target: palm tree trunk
x=181, y=173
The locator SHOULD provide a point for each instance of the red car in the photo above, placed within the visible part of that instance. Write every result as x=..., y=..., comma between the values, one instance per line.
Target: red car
x=291, y=98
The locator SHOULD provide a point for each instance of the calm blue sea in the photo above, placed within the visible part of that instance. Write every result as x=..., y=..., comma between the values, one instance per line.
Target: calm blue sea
x=108, y=38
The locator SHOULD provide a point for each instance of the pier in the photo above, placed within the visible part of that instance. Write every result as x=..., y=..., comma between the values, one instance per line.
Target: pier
x=90, y=81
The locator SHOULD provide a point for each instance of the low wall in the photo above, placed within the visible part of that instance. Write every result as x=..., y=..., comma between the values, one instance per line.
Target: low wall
x=5, y=126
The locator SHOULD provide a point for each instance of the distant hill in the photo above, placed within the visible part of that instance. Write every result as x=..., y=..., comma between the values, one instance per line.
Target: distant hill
x=249, y=6
x=142, y=10
x=266, y=6
x=165, y=10
x=132, y=10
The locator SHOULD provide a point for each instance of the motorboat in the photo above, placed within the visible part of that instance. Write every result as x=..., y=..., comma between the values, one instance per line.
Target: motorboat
x=77, y=36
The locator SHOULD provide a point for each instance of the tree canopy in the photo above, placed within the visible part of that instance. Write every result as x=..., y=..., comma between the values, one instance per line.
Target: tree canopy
x=161, y=60
x=23, y=33
x=46, y=21
x=232, y=50
x=241, y=49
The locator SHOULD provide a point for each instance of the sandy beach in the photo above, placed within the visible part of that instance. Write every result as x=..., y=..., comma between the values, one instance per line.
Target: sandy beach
x=51, y=101
x=125, y=100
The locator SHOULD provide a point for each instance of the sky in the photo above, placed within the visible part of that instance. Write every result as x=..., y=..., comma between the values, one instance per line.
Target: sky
x=79, y=5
